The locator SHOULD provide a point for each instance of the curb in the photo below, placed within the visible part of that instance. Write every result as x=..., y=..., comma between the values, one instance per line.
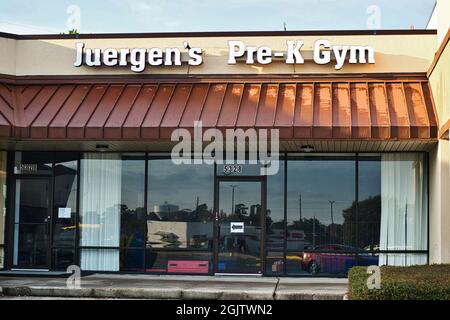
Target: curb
x=308, y=296
x=168, y=293
x=128, y=293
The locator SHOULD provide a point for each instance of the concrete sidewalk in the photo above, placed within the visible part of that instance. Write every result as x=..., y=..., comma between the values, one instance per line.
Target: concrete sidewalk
x=178, y=287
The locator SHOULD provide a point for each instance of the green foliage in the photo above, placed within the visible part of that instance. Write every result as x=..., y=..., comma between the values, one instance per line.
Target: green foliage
x=72, y=31
x=430, y=282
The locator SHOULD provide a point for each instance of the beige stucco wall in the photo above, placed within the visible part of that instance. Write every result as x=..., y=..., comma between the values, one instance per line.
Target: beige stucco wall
x=393, y=53
x=440, y=156
x=440, y=84
x=443, y=19
x=440, y=203
x=7, y=56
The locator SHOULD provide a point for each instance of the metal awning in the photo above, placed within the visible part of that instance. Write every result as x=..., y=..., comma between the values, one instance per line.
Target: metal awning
x=338, y=110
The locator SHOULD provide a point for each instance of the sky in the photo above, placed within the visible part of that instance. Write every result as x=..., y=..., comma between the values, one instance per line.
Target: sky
x=113, y=16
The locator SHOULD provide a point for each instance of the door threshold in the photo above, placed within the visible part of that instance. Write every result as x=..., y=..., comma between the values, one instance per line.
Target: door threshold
x=30, y=270
x=33, y=273
x=239, y=274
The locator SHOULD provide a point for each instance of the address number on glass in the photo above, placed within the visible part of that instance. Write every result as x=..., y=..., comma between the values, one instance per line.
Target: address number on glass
x=232, y=168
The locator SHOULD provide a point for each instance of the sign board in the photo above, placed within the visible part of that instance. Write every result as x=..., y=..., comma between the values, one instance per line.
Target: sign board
x=236, y=227
x=64, y=213
x=138, y=59
x=26, y=167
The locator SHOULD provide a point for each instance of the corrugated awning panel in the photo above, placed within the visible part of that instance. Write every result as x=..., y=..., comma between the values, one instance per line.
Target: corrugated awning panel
x=300, y=110
x=6, y=110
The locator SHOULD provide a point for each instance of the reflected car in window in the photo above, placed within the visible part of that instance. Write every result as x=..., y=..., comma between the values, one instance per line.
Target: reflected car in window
x=335, y=259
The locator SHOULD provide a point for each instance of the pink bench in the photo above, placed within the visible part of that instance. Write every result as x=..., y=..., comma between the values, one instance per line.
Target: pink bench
x=187, y=266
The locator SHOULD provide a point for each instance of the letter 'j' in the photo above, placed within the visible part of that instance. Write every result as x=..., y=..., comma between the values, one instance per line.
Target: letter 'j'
x=79, y=54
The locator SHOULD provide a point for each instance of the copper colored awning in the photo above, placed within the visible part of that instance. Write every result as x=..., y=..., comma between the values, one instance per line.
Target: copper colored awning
x=301, y=110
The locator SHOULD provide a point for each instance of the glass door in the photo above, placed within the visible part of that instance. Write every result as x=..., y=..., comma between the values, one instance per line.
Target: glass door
x=239, y=224
x=32, y=223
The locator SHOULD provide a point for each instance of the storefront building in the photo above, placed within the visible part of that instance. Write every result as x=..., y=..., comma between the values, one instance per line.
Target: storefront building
x=87, y=177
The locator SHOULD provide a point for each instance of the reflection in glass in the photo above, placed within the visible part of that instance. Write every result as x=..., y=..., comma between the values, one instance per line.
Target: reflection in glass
x=32, y=246
x=275, y=263
x=335, y=259
x=33, y=162
x=334, y=232
x=320, y=196
x=275, y=223
x=62, y=258
x=132, y=213
x=131, y=259
x=31, y=223
x=132, y=201
x=65, y=198
x=369, y=204
x=190, y=262
x=180, y=214
x=32, y=195
x=240, y=227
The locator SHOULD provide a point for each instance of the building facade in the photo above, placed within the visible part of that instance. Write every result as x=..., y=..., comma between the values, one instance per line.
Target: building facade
x=86, y=126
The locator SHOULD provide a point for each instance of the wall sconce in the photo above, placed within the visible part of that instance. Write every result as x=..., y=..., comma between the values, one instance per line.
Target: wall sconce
x=102, y=147
x=307, y=148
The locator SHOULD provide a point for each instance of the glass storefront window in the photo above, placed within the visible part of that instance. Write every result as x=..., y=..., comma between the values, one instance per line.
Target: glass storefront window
x=65, y=200
x=100, y=204
x=367, y=234
x=132, y=213
x=131, y=259
x=46, y=210
x=33, y=162
x=404, y=203
x=342, y=228
x=275, y=223
x=324, y=213
x=31, y=223
x=62, y=258
x=132, y=201
x=180, y=215
x=320, y=195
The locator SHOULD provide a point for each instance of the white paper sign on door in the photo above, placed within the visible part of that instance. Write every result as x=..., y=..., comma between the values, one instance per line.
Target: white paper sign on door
x=64, y=213
x=236, y=227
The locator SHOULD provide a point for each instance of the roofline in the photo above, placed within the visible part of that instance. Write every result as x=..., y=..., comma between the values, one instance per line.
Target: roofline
x=181, y=78
x=219, y=34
